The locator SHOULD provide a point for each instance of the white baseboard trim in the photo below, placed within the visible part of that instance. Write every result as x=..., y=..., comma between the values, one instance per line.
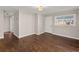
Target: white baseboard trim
x=39, y=33
x=16, y=35
x=51, y=33
x=65, y=36
x=26, y=35
x=1, y=37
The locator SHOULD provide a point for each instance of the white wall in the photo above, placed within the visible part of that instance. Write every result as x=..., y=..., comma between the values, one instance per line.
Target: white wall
x=22, y=23
x=11, y=22
x=16, y=24
x=1, y=24
x=30, y=23
x=40, y=24
x=8, y=24
x=26, y=23
x=71, y=31
x=48, y=24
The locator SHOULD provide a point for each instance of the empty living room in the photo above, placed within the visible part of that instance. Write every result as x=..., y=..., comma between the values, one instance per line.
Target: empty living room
x=39, y=28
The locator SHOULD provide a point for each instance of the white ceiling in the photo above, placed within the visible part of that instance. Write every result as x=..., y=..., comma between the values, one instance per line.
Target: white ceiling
x=33, y=9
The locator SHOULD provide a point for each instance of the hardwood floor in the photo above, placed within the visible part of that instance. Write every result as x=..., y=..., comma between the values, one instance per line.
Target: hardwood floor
x=45, y=42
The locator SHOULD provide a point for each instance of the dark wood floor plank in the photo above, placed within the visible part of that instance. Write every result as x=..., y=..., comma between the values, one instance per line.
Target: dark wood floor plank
x=45, y=42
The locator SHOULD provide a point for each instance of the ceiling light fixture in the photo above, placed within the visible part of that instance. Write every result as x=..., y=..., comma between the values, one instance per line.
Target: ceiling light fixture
x=40, y=8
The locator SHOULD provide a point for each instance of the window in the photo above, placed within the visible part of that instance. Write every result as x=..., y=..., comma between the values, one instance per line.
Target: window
x=65, y=20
